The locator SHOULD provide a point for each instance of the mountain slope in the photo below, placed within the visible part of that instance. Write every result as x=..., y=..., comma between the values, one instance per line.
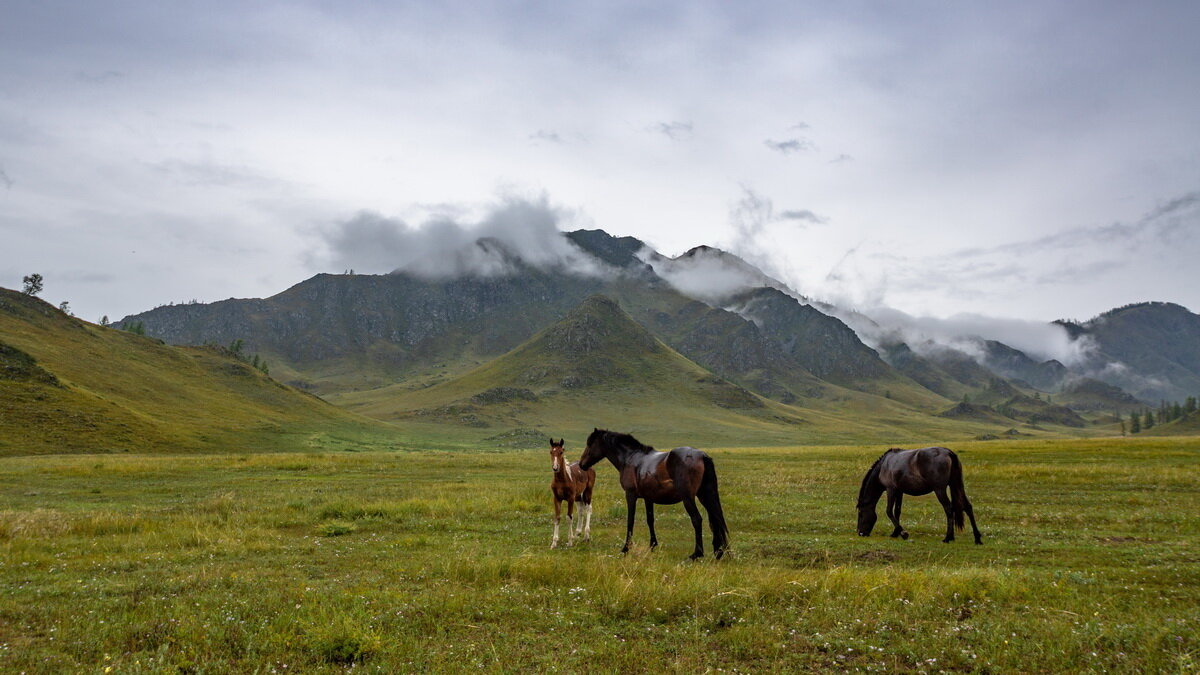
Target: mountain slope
x=334, y=333
x=595, y=366
x=1151, y=349
x=70, y=386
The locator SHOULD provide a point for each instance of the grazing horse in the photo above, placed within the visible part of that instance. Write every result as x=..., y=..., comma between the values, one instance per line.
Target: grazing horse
x=571, y=484
x=915, y=472
x=681, y=475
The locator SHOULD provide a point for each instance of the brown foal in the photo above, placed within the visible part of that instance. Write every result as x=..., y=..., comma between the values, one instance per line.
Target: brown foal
x=571, y=484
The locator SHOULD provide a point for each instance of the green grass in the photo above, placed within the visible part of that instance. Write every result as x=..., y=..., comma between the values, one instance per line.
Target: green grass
x=405, y=561
x=79, y=387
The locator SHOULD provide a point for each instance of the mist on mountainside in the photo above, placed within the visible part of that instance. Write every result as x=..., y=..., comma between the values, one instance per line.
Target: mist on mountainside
x=511, y=231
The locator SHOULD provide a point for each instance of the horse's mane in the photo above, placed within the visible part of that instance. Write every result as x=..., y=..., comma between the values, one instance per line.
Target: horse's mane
x=871, y=473
x=626, y=441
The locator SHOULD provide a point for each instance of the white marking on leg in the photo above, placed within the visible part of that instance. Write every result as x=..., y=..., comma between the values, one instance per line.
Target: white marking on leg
x=554, y=541
x=587, y=524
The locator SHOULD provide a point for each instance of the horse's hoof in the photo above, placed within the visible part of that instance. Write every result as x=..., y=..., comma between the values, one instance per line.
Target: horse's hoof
x=904, y=536
x=696, y=556
x=978, y=542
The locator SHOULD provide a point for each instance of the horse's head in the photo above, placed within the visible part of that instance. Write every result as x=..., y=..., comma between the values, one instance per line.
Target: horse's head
x=594, y=451
x=866, y=519
x=556, y=454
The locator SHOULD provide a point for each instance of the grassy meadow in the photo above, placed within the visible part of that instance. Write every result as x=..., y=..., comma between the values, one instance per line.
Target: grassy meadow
x=439, y=560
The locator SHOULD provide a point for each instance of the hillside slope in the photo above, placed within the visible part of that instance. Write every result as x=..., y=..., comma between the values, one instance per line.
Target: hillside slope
x=339, y=333
x=70, y=386
x=1156, y=344
x=598, y=367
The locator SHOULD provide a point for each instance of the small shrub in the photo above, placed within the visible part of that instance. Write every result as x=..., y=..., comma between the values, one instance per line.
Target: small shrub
x=336, y=528
x=342, y=644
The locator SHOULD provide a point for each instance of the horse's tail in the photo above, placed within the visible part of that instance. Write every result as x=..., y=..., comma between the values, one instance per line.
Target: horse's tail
x=958, y=492
x=711, y=500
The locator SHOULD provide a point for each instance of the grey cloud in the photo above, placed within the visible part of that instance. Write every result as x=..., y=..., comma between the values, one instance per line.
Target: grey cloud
x=790, y=145
x=1159, y=223
x=709, y=274
x=5, y=180
x=841, y=159
x=800, y=126
x=676, y=131
x=965, y=332
x=803, y=215
x=512, y=232
x=546, y=136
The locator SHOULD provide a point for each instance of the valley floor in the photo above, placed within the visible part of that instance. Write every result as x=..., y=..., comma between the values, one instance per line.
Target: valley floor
x=409, y=561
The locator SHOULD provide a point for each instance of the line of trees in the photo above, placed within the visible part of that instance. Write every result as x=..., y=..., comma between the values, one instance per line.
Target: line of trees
x=1140, y=420
x=238, y=349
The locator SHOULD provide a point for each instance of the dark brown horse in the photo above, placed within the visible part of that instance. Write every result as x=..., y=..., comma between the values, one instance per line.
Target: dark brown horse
x=915, y=472
x=571, y=484
x=681, y=475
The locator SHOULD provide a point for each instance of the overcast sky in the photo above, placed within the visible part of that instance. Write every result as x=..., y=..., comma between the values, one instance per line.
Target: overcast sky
x=1035, y=160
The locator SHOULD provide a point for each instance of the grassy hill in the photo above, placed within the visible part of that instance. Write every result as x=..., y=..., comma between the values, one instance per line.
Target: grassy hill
x=70, y=386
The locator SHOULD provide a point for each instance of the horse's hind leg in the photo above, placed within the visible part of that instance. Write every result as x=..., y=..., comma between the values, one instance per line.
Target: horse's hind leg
x=971, y=514
x=587, y=521
x=650, y=524
x=948, y=507
x=689, y=505
x=895, y=499
x=571, y=520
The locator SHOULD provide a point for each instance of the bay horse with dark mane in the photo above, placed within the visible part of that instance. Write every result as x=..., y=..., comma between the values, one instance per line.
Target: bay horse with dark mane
x=681, y=475
x=915, y=472
x=571, y=484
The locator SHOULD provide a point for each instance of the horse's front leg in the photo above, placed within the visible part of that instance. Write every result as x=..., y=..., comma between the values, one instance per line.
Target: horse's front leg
x=895, y=499
x=557, y=515
x=630, y=510
x=650, y=524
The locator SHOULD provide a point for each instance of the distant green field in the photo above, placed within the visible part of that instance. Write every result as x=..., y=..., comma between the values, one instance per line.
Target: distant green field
x=439, y=560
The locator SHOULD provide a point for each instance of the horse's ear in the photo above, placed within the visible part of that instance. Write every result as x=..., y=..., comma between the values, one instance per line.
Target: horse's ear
x=552, y=442
x=562, y=441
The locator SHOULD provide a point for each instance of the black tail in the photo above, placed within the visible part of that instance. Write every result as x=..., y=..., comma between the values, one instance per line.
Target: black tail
x=958, y=492
x=711, y=500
